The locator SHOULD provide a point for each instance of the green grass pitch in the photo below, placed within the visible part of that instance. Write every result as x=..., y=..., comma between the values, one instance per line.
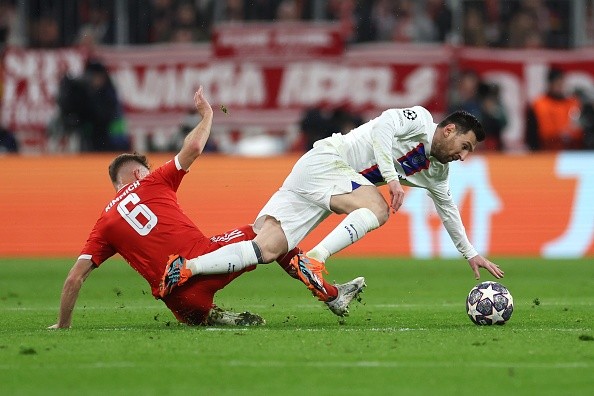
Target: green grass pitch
x=409, y=336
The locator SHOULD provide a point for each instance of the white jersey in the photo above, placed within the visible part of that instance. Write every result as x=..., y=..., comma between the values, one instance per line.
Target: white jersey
x=397, y=145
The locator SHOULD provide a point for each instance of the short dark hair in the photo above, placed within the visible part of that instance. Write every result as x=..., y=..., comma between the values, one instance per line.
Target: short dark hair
x=121, y=159
x=464, y=122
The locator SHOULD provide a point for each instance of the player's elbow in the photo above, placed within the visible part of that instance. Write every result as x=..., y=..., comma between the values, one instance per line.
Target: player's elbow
x=196, y=140
x=193, y=147
x=79, y=273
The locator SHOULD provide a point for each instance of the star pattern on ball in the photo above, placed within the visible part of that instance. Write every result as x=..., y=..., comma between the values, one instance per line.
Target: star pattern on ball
x=489, y=293
x=483, y=300
x=473, y=313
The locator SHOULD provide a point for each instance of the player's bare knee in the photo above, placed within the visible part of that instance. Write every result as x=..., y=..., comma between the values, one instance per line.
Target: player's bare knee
x=269, y=258
x=271, y=240
x=381, y=210
x=265, y=250
x=271, y=247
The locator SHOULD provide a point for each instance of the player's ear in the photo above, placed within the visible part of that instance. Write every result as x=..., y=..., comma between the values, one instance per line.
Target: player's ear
x=449, y=129
x=140, y=173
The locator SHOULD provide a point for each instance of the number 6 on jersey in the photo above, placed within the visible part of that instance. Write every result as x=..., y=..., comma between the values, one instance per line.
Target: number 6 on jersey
x=132, y=216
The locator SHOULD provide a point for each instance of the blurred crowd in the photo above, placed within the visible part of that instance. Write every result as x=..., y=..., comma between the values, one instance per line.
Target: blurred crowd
x=512, y=23
x=481, y=99
x=555, y=120
x=90, y=115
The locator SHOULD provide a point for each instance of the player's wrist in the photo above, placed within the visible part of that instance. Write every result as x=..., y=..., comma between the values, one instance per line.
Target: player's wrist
x=469, y=254
x=207, y=113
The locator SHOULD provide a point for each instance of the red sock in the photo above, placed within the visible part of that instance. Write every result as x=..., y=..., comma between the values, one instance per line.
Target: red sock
x=285, y=264
x=331, y=290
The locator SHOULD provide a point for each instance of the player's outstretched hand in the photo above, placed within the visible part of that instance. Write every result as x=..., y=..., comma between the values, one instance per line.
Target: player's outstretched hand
x=201, y=103
x=479, y=261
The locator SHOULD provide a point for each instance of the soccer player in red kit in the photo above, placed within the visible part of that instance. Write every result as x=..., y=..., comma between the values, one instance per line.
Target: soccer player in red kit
x=144, y=223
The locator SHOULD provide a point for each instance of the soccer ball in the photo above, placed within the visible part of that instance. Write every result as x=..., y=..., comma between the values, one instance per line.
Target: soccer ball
x=489, y=303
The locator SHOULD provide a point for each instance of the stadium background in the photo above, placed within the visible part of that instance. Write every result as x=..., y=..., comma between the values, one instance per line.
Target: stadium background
x=410, y=333
x=265, y=75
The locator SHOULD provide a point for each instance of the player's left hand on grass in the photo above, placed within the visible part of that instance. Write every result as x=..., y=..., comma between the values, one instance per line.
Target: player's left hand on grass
x=479, y=261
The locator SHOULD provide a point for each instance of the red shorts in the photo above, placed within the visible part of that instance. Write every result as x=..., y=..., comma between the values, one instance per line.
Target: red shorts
x=192, y=302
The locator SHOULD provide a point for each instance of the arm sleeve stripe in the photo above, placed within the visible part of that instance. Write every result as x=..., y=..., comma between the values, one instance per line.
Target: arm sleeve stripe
x=177, y=164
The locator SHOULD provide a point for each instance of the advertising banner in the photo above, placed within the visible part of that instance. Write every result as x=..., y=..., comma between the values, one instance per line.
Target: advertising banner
x=524, y=205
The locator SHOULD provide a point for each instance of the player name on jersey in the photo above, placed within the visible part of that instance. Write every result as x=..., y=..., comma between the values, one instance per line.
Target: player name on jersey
x=127, y=190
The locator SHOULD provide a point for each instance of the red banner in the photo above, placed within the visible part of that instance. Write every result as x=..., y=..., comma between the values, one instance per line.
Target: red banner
x=287, y=39
x=156, y=83
x=30, y=84
x=361, y=80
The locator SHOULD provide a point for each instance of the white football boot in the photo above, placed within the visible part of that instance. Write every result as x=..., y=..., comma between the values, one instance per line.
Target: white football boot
x=219, y=317
x=347, y=292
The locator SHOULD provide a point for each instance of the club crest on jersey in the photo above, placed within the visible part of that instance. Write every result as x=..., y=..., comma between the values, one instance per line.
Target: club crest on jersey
x=414, y=161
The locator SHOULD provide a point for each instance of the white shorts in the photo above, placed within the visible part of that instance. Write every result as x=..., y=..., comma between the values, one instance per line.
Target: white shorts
x=303, y=201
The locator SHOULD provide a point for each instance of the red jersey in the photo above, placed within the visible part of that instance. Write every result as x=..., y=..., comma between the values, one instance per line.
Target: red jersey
x=145, y=224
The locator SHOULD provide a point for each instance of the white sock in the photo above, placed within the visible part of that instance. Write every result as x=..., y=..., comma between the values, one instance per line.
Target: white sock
x=357, y=223
x=230, y=258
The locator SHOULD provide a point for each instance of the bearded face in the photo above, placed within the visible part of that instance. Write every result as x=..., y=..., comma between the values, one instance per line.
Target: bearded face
x=449, y=145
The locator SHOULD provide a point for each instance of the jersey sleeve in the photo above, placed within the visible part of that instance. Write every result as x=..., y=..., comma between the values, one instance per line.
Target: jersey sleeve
x=170, y=174
x=394, y=125
x=450, y=217
x=383, y=134
x=97, y=249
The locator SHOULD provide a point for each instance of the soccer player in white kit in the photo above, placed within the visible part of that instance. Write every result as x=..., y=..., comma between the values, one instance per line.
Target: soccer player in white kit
x=340, y=174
